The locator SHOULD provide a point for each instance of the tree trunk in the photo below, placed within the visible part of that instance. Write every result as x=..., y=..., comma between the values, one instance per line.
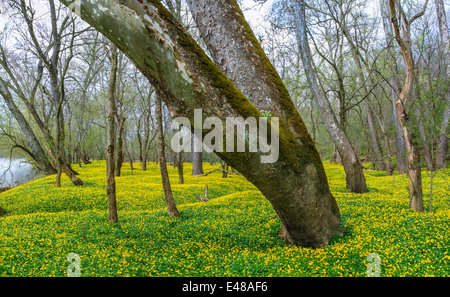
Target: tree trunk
x=145, y=145
x=441, y=158
x=376, y=147
x=111, y=127
x=445, y=39
x=389, y=166
x=85, y=159
x=403, y=38
x=171, y=206
x=179, y=158
x=373, y=140
x=402, y=163
x=38, y=152
x=425, y=146
x=130, y=159
x=225, y=169
x=296, y=184
x=120, y=152
x=71, y=174
x=197, y=159
x=58, y=145
x=356, y=181
x=357, y=58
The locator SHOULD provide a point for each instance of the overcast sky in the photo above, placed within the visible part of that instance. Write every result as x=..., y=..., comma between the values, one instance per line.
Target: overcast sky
x=254, y=13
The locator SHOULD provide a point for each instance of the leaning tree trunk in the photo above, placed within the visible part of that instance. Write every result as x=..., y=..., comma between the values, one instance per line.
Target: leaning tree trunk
x=120, y=152
x=37, y=151
x=170, y=201
x=402, y=32
x=296, y=184
x=356, y=181
x=111, y=127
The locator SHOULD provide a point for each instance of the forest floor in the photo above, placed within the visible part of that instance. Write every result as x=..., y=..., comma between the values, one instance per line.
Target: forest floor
x=233, y=234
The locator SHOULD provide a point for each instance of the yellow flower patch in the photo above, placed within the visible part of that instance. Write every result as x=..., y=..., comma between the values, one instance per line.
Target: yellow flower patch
x=233, y=234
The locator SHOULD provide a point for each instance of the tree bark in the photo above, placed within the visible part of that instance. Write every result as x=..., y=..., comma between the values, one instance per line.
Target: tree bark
x=356, y=181
x=402, y=27
x=402, y=163
x=426, y=148
x=51, y=62
x=357, y=58
x=179, y=158
x=295, y=185
x=379, y=114
x=111, y=128
x=38, y=152
x=71, y=174
x=445, y=39
x=197, y=157
x=120, y=152
x=170, y=201
x=374, y=141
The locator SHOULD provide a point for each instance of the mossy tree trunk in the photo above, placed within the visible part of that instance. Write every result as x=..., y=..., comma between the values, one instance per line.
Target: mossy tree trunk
x=295, y=185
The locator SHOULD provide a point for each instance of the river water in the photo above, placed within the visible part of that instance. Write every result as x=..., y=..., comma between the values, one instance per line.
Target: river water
x=15, y=172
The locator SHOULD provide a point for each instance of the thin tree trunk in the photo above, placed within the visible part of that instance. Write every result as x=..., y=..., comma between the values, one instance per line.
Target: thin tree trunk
x=197, y=163
x=426, y=147
x=402, y=163
x=179, y=158
x=443, y=140
x=120, y=152
x=197, y=157
x=445, y=39
x=357, y=58
x=38, y=152
x=170, y=201
x=130, y=159
x=356, y=181
x=390, y=167
x=111, y=127
x=58, y=149
x=58, y=176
